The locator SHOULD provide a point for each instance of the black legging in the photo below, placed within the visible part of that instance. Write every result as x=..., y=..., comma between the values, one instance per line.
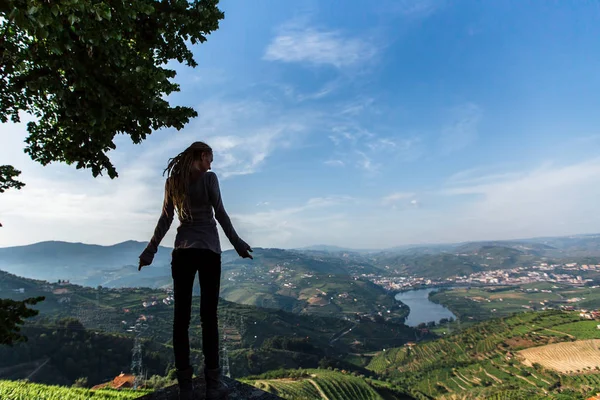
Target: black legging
x=184, y=265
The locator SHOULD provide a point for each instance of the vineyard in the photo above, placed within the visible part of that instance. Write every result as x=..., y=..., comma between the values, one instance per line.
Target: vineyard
x=484, y=361
x=324, y=384
x=21, y=390
x=569, y=357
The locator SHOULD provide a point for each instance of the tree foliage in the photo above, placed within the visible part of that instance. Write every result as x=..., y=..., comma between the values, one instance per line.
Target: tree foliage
x=88, y=70
x=7, y=175
x=12, y=314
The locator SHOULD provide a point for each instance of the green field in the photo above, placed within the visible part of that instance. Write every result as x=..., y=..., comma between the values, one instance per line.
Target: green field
x=581, y=329
x=481, y=360
x=481, y=303
x=21, y=390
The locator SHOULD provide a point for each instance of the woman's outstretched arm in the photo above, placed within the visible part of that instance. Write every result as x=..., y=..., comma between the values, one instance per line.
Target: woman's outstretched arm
x=162, y=227
x=214, y=192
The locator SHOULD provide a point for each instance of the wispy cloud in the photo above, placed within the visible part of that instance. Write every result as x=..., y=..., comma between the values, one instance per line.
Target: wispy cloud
x=335, y=163
x=365, y=162
x=62, y=203
x=409, y=9
x=356, y=106
x=355, y=145
x=462, y=129
x=243, y=134
x=418, y=8
x=302, y=44
x=482, y=175
x=295, y=226
x=549, y=199
x=396, y=197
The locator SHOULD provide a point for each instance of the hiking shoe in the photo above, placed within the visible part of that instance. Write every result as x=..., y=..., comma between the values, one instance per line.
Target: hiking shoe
x=186, y=386
x=216, y=389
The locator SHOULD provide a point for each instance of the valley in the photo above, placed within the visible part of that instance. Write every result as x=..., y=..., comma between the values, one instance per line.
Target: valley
x=331, y=313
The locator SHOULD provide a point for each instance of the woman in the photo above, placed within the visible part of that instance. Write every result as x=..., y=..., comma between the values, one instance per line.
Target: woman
x=194, y=192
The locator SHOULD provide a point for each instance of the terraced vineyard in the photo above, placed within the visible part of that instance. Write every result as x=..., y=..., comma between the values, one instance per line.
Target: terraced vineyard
x=565, y=357
x=289, y=388
x=21, y=390
x=324, y=384
x=484, y=361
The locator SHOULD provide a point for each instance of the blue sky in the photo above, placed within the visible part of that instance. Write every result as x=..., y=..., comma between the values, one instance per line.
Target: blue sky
x=360, y=124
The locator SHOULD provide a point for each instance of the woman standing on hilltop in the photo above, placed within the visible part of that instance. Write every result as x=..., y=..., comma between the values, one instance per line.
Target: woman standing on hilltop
x=194, y=192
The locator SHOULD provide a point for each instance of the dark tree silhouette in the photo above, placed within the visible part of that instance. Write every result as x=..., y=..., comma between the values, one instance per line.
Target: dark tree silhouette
x=87, y=71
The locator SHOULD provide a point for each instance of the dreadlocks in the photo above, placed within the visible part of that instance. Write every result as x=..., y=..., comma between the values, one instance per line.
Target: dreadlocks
x=179, y=171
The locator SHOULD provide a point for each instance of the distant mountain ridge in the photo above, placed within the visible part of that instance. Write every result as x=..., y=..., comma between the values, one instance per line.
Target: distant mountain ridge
x=116, y=265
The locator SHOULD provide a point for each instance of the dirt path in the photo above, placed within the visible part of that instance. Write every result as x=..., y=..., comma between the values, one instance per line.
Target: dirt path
x=541, y=379
x=318, y=389
x=492, y=376
x=526, y=380
x=457, y=384
x=564, y=333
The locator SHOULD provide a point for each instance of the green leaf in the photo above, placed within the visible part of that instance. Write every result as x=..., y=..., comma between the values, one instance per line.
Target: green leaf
x=124, y=78
x=106, y=14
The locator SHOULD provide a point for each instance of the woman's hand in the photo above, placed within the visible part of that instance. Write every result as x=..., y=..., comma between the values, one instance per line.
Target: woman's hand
x=245, y=253
x=143, y=263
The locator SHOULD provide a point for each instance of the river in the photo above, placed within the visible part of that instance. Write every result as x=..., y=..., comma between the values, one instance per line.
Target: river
x=421, y=309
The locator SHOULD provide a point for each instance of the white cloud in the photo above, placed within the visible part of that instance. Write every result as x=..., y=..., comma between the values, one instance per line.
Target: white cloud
x=357, y=106
x=335, y=163
x=548, y=200
x=62, y=203
x=478, y=175
x=309, y=45
x=462, y=129
x=305, y=224
x=395, y=197
x=366, y=163
x=242, y=134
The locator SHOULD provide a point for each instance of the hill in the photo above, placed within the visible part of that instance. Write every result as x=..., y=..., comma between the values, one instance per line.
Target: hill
x=63, y=351
x=311, y=283
x=463, y=260
x=481, y=303
x=325, y=384
x=248, y=331
x=114, y=266
x=84, y=264
x=301, y=282
x=483, y=361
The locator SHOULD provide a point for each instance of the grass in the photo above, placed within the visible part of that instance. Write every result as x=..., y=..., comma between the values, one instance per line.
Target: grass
x=21, y=390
